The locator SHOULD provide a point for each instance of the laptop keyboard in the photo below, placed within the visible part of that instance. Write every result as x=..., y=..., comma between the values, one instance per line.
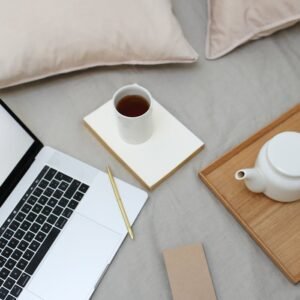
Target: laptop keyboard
x=33, y=226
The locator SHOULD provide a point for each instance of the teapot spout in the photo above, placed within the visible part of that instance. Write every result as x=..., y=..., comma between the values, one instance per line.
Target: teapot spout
x=254, y=179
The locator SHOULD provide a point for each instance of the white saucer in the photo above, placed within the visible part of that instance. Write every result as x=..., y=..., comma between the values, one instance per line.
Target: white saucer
x=170, y=146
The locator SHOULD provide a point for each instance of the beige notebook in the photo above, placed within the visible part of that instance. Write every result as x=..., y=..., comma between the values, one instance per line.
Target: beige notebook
x=188, y=273
x=169, y=147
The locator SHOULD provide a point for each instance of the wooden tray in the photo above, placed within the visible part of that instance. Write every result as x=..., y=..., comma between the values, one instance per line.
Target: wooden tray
x=273, y=225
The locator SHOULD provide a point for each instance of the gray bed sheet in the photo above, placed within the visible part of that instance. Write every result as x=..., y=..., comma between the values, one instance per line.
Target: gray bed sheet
x=223, y=102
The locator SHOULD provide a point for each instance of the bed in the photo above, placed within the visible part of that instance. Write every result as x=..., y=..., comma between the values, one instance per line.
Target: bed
x=223, y=102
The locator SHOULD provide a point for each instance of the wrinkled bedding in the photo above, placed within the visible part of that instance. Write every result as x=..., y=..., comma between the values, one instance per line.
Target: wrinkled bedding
x=221, y=101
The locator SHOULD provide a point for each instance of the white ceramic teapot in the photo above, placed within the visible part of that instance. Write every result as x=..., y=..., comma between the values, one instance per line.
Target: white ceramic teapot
x=277, y=169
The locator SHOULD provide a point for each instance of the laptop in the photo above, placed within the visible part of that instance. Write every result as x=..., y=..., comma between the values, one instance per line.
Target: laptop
x=60, y=223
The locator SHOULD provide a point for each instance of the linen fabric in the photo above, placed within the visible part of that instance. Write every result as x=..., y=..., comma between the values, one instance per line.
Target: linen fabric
x=224, y=102
x=44, y=38
x=233, y=23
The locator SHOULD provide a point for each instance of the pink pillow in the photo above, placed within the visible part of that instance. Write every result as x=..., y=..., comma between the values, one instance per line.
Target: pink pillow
x=233, y=23
x=48, y=37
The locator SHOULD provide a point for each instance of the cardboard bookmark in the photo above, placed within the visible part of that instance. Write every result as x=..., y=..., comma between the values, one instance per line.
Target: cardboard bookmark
x=188, y=273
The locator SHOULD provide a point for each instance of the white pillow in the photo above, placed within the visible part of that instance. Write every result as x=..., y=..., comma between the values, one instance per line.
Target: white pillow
x=40, y=38
x=233, y=23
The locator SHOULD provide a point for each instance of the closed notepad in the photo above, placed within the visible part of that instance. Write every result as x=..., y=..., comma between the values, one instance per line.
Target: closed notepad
x=169, y=147
x=188, y=273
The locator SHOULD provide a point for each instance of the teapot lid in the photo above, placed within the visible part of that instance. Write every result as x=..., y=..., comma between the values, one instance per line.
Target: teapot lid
x=284, y=153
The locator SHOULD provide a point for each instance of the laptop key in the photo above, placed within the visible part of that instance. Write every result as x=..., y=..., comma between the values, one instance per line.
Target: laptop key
x=63, y=202
x=46, y=227
x=52, y=219
x=58, y=194
x=7, y=252
x=32, y=200
x=25, y=225
x=28, y=254
x=10, y=264
x=63, y=186
x=16, y=291
x=8, y=234
x=9, y=283
x=73, y=204
x=3, y=243
x=13, y=243
x=22, y=264
x=47, y=210
x=40, y=236
x=67, y=213
x=44, y=171
x=3, y=293
x=16, y=254
x=26, y=208
x=10, y=297
x=61, y=222
x=35, y=227
x=29, y=236
x=43, y=184
x=34, y=245
x=52, y=202
x=57, y=210
x=20, y=217
x=42, y=251
x=15, y=273
x=83, y=188
x=4, y=273
x=23, y=280
x=40, y=219
x=37, y=192
x=61, y=176
x=43, y=200
x=54, y=184
x=78, y=196
x=19, y=234
x=31, y=217
x=23, y=245
x=48, y=192
x=14, y=225
x=37, y=208
x=50, y=174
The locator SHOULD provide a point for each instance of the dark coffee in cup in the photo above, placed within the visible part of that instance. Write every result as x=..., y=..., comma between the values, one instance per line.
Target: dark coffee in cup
x=132, y=106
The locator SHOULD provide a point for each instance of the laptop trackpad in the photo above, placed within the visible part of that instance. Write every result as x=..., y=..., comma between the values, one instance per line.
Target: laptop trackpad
x=75, y=262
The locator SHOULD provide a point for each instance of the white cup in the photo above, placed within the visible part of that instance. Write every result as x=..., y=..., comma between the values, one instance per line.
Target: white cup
x=134, y=130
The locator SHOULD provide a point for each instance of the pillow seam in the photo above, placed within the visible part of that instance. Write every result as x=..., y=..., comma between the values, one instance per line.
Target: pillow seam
x=90, y=66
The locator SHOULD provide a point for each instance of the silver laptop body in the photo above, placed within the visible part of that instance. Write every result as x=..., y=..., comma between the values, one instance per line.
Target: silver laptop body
x=60, y=223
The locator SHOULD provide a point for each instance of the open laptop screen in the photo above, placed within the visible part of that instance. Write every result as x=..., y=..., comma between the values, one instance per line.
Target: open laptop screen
x=18, y=148
x=15, y=142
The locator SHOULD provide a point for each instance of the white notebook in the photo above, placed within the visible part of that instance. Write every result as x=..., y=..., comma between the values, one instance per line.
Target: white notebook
x=170, y=146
